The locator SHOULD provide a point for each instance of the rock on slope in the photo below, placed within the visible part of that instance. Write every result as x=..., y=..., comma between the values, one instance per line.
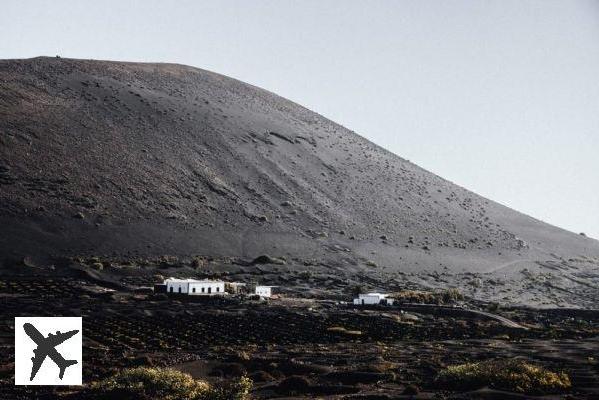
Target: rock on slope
x=128, y=159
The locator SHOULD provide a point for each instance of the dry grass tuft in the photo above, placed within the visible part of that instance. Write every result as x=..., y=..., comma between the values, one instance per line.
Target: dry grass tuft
x=169, y=384
x=511, y=375
x=343, y=331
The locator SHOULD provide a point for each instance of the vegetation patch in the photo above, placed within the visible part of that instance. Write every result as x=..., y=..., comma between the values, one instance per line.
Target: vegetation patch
x=169, y=384
x=511, y=375
x=447, y=296
x=343, y=331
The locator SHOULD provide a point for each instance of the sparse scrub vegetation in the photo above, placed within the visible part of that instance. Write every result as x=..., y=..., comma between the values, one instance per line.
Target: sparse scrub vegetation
x=447, y=296
x=451, y=295
x=198, y=262
x=512, y=375
x=97, y=266
x=169, y=384
x=356, y=290
x=305, y=275
x=415, y=296
x=344, y=331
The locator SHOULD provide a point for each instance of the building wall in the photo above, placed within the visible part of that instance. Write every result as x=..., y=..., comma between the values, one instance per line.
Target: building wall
x=370, y=300
x=177, y=287
x=263, y=291
x=206, y=288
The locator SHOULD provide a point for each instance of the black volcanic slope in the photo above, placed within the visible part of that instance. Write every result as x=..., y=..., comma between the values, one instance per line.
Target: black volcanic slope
x=127, y=159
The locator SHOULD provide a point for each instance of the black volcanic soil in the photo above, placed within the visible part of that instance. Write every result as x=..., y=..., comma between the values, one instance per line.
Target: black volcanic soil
x=287, y=346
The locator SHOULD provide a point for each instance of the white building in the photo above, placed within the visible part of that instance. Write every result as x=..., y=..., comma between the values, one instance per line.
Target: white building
x=373, y=298
x=195, y=287
x=264, y=291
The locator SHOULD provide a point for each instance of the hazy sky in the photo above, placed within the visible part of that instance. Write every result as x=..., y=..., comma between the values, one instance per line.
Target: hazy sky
x=501, y=97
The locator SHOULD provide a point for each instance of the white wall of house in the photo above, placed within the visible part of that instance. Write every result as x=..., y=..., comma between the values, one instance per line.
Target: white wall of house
x=194, y=287
x=372, y=299
x=206, y=288
x=176, y=286
x=264, y=291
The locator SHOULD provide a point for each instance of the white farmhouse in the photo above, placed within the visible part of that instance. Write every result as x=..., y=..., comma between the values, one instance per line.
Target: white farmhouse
x=194, y=287
x=373, y=298
x=264, y=291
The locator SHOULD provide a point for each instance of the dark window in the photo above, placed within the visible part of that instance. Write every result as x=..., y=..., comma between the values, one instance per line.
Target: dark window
x=179, y=289
x=203, y=290
x=172, y=289
x=218, y=289
x=193, y=290
x=209, y=290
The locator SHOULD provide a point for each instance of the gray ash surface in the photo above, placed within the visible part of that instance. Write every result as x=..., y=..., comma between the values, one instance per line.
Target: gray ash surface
x=129, y=160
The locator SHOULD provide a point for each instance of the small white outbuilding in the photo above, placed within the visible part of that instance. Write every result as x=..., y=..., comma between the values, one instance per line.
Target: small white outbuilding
x=195, y=287
x=264, y=291
x=373, y=299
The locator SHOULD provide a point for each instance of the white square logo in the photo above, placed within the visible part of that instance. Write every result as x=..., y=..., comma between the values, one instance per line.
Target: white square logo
x=48, y=350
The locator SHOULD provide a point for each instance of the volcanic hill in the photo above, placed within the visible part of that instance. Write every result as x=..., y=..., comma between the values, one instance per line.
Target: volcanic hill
x=122, y=160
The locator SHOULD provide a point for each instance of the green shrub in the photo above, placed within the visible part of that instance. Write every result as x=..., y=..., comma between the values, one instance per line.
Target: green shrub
x=170, y=384
x=167, y=384
x=238, y=390
x=511, y=375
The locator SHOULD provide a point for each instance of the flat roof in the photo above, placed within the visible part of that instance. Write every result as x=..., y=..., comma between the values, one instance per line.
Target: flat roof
x=188, y=280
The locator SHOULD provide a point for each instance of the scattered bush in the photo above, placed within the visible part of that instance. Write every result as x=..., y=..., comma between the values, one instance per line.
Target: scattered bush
x=166, y=384
x=238, y=390
x=198, y=263
x=343, y=331
x=511, y=375
x=451, y=295
x=97, y=266
x=169, y=384
x=305, y=274
x=420, y=296
x=415, y=296
x=356, y=290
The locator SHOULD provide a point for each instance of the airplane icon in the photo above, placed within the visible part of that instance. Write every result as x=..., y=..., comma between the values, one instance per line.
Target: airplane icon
x=46, y=347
